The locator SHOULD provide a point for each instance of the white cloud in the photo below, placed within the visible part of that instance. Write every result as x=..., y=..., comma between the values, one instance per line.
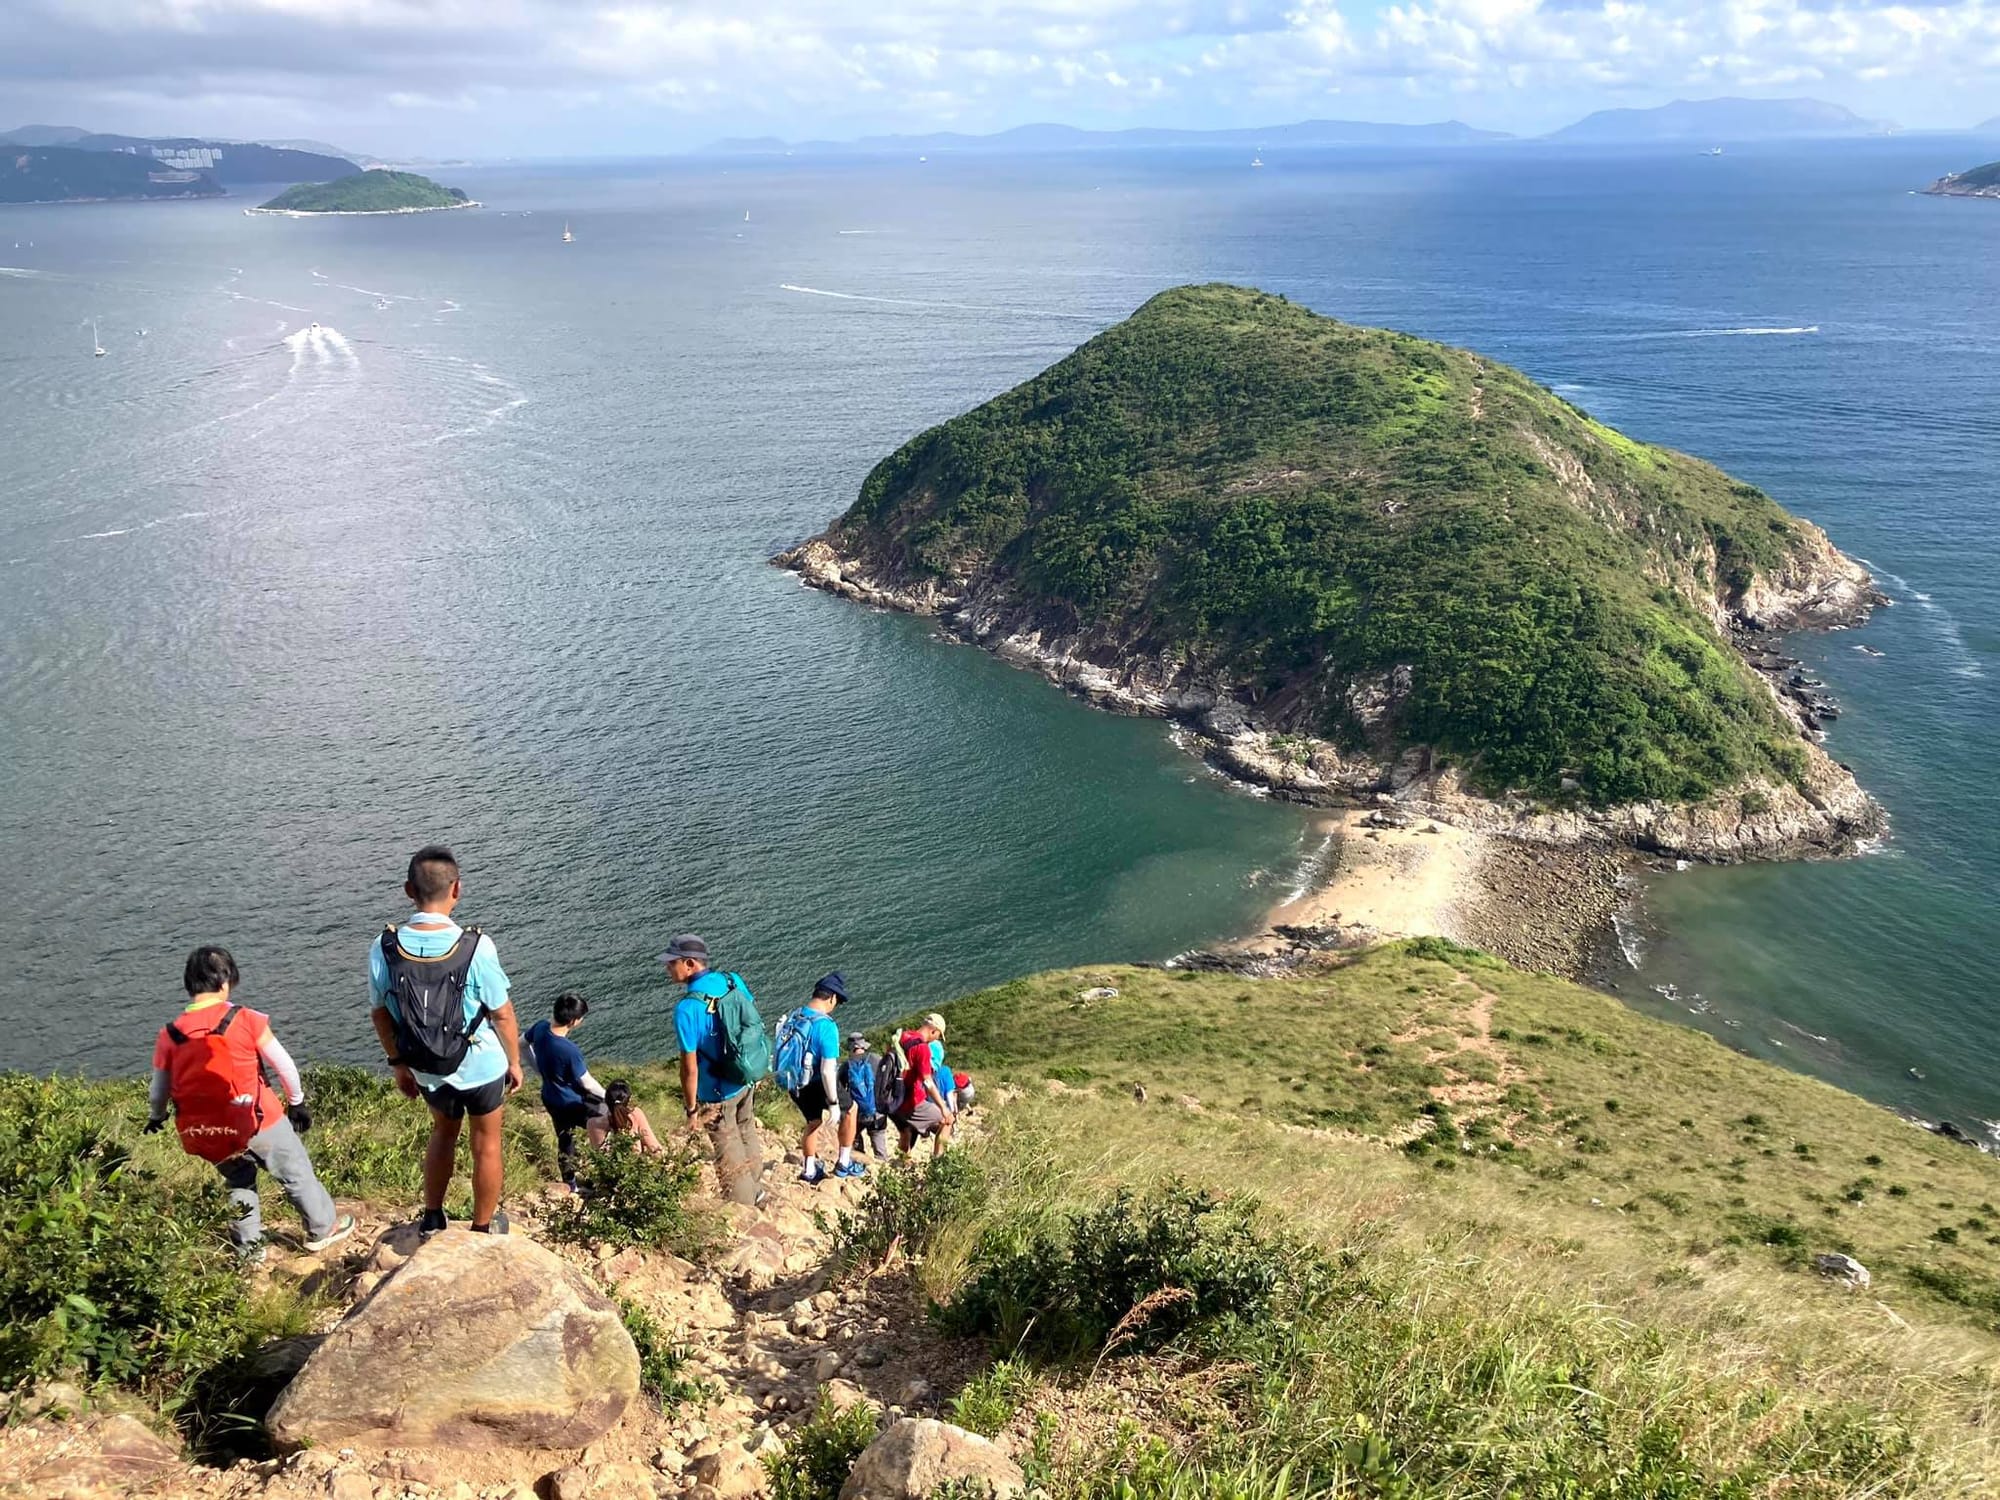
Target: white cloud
x=805, y=66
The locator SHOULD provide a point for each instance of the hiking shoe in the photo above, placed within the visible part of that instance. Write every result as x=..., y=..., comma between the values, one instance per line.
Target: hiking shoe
x=249, y=1256
x=343, y=1226
x=497, y=1225
x=852, y=1169
x=813, y=1179
x=433, y=1222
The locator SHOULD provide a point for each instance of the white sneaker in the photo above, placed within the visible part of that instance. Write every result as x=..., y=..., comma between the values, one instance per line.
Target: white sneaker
x=343, y=1226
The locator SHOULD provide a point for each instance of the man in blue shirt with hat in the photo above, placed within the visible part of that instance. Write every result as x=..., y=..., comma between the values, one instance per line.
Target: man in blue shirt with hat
x=719, y=1100
x=819, y=1100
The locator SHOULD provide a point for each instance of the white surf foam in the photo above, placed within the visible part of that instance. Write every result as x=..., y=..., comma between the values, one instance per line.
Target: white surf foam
x=1017, y=312
x=1311, y=872
x=1631, y=944
x=98, y=536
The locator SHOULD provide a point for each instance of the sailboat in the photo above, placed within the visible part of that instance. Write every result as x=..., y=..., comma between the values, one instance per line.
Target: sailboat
x=96, y=344
x=1256, y=161
x=746, y=216
x=568, y=238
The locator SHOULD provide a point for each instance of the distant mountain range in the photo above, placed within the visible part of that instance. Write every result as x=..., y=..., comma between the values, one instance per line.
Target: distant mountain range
x=1708, y=120
x=224, y=161
x=1071, y=138
x=1721, y=120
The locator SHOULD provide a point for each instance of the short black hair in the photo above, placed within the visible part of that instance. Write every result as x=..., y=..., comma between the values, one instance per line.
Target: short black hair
x=433, y=868
x=570, y=1008
x=208, y=969
x=834, y=995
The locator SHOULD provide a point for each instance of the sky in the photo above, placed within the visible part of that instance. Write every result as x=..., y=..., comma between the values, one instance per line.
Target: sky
x=631, y=77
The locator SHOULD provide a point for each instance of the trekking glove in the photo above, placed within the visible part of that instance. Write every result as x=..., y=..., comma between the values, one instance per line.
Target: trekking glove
x=154, y=1127
x=300, y=1116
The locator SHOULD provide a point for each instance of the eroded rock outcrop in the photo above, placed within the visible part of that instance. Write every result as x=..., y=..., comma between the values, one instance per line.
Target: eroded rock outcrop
x=918, y=1455
x=475, y=1341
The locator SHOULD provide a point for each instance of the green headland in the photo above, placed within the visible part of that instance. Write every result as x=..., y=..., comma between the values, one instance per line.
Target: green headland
x=1974, y=182
x=1372, y=545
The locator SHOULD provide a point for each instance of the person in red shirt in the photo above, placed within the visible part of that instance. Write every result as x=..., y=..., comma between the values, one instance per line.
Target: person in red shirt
x=209, y=1063
x=926, y=1109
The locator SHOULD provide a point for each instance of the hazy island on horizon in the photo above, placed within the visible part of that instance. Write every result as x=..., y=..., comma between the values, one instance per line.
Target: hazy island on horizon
x=1973, y=182
x=378, y=190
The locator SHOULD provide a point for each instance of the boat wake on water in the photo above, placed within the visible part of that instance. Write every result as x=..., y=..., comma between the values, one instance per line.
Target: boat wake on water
x=1744, y=333
x=1018, y=312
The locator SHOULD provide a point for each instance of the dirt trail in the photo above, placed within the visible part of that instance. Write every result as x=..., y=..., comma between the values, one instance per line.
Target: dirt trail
x=764, y=1328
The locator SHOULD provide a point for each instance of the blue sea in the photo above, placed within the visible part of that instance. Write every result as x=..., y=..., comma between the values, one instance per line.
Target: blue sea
x=368, y=532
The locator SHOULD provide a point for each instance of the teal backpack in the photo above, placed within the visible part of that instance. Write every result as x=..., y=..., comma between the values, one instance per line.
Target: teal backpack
x=794, y=1068
x=745, y=1054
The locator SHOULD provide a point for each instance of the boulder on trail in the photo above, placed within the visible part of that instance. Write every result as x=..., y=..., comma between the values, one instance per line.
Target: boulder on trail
x=1843, y=1268
x=917, y=1455
x=476, y=1341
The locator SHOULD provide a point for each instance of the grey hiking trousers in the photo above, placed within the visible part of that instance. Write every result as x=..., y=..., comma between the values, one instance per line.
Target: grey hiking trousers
x=278, y=1150
x=739, y=1159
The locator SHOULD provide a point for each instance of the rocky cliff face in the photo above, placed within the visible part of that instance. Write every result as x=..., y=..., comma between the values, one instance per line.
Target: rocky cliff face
x=1827, y=812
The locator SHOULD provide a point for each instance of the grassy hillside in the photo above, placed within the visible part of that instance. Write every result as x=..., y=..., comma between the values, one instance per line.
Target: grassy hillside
x=371, y=192
x=1542, y=1090
x=1303, y=506
x=1562, y=1248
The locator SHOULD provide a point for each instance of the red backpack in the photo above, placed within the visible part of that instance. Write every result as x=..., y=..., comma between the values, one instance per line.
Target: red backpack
x=217, y=1087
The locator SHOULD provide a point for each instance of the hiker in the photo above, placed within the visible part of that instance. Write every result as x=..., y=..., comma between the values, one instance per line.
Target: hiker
x=575, y=1101
x=947, y=1081
x=439, y=1004
x=626, y=1118
x=724, y=1052
x=807, y=1065
x=857, y=1088
x=923, y=1110
x=209, y=1062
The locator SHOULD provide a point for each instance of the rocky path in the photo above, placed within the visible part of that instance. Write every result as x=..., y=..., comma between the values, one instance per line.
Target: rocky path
x=765, y=1330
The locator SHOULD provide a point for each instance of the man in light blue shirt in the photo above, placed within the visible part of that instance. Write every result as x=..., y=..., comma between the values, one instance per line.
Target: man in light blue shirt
x=424, y=959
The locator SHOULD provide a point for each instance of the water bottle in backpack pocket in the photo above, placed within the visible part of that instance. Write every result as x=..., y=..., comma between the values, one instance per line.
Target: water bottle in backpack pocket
x=432, y=1031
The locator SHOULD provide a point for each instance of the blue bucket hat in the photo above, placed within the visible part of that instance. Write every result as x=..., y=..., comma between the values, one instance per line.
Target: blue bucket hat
x=834, y=984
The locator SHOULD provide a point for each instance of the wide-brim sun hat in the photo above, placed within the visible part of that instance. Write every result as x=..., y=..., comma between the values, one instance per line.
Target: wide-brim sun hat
x=687, y=945
x=935, y=1020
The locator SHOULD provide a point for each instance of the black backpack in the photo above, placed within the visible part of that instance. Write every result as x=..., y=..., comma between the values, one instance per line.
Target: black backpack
x=432, y=1033
x=889, y=1090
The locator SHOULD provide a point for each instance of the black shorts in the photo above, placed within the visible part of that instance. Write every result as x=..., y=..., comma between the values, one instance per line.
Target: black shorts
x=577, y=1116
x=811, y=1101
x=456, y=1103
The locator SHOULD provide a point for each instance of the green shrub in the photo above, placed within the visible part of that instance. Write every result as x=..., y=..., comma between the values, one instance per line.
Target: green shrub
x=819, y=1455
x=990, y=1399
x=630, y=1198
x=109, y=1271
x=912, y=1204
x=1131, y=1274
x=368, y=1141
x=662, y=1362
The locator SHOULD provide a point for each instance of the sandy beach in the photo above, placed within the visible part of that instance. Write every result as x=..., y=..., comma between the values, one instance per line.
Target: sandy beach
x=1539, y=906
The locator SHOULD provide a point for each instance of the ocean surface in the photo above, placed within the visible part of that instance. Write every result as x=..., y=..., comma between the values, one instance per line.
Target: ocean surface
x=481, y=557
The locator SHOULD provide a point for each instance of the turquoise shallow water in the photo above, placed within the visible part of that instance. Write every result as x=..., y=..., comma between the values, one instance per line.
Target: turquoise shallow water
x=484, y=560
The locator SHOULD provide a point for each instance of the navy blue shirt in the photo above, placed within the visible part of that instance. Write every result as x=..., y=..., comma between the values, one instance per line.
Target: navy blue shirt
x=560, y=1062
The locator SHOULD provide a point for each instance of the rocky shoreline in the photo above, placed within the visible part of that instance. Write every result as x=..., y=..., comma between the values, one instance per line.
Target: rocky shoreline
x=1549, y=878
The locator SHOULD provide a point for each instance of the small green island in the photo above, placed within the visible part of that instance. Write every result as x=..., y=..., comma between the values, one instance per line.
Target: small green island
x=376, y=191
x=1357, y=563
x=1974, y=182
